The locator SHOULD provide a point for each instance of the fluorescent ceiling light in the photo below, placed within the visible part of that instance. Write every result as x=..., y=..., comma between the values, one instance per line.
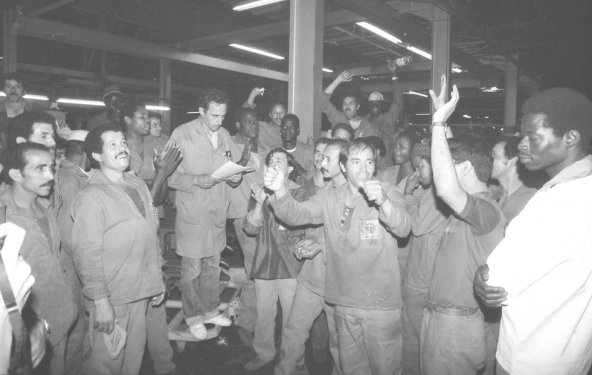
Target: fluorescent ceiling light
x=466, y=116
x=254, y=4
x=256, y=50
x=327, y=70
x=456, y=68
x=423, y=114
x=491, y=89
x=93, y=103
x=416, y=93
x=380, y=32
x=30, y=96
x=192, y=112
x=420, y=52
x=157, y=107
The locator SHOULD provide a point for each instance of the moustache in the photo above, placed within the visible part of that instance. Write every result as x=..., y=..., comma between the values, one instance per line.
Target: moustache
x=124, y=153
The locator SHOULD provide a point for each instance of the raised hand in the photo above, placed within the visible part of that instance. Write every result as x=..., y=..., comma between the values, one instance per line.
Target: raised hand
x=168, y=160
x=258, y=193
x=346, y=76
x=443, y=108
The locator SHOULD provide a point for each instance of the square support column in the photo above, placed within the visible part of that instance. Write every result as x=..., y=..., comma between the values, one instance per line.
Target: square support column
x=306, y=63
x=164, y=93
x=511, y=95
x=441, y=27
x=9, y=35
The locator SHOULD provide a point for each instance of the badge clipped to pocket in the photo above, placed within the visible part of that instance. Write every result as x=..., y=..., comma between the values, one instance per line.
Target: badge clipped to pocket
x=369, y=230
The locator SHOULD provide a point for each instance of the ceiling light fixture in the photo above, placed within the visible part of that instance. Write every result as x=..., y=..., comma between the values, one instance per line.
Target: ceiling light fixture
x=380, y=32
x=30, y=96
x=92, y=103
x=157, y=107
x=420, y=52
x=466, y=116
x=327, y=70
x=254, y=4
x=416, y=94
x=256, y=50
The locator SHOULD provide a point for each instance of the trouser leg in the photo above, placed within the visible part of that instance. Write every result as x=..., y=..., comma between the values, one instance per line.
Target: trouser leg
x=97, y=360
x=383, y=340
x=157, y=338
x=266, y=304
x=412, y=312
x=333, y=342
x=248, y=244
x=452, y=345
x=305, y=309
x=200, y=288
x=350, y=338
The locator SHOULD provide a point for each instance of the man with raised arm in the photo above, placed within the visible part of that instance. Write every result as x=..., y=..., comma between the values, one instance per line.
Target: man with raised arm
x=269, y=132
x=452, y=331
x=350, y=105
x=360, y=219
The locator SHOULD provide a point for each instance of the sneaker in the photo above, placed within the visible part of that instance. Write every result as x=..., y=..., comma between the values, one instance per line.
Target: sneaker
x=199, y=331
x=255, y=364
x=220, y=320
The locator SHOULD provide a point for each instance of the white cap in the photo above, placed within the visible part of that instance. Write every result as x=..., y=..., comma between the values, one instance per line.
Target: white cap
x=77, y=135
x=375, y=97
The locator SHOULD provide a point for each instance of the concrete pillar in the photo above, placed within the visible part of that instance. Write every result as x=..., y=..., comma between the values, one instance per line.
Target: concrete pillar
x=441, y=27
x=9, y=35
x=306, y=63
x=511, y=95
x=164, y=93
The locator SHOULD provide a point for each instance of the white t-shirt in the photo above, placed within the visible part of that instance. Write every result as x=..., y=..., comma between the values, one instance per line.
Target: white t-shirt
x=545, y=265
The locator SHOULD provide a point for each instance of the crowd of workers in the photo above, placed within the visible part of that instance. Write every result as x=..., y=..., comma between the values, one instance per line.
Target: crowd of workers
x=393, y=254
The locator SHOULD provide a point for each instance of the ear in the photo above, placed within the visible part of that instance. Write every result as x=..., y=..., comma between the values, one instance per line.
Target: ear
x=20, y=140
x=96, y=156
x=15, y=174
x=571, y=138
x=201, y=111
x=127, y=120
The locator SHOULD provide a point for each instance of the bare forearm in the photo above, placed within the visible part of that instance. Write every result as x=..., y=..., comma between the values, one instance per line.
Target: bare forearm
x=445, y=179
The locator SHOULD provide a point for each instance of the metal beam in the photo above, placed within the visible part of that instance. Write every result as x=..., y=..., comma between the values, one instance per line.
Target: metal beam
x=511, y=95
x=95, y=80
x=441, y=31
x=260, y=32
x=165, y=92
x=306, y=63
x=48, y=8
x=45, y=29
x=9, y=40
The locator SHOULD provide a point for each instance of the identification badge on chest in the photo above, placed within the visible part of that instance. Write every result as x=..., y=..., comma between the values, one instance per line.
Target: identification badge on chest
x=369, y=230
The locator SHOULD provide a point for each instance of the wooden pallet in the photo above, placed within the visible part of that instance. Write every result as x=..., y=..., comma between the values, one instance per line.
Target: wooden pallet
x=179, y=332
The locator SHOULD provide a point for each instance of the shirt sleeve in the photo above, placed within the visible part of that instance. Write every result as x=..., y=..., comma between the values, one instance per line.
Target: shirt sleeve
x=398, y=222
x=333, y=114
x=480, y=214
x=87, y=242
x=295, y=213
x=180, y=179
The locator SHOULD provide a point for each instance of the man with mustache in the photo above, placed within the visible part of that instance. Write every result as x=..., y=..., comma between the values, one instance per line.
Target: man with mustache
x=33, y=126
x=14, y=104
x=350, y=105
x=269, y=132
x=116, y=252
x=31, y=172
x=361, y=218
x=540, y=272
